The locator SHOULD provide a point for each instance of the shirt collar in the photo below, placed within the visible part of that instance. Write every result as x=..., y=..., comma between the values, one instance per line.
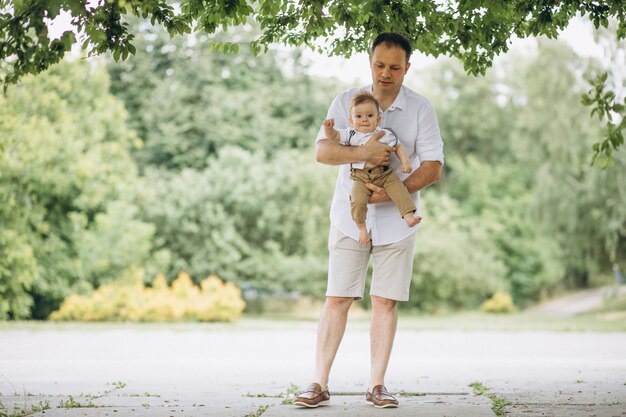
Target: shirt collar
x=398, y=103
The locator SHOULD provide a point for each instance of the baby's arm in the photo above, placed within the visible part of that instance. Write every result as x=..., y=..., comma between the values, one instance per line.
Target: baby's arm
x=404, y=158
x=330, y=131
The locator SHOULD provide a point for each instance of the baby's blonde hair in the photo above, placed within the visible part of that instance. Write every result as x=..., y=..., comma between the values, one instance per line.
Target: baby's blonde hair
x=363, y=97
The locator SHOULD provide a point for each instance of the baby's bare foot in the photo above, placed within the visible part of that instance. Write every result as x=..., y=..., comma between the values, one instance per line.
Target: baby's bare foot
x=412, y=219
x=364, y=238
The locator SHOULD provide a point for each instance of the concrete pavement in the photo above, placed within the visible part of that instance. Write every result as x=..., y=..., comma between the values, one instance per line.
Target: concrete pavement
x=250, y=368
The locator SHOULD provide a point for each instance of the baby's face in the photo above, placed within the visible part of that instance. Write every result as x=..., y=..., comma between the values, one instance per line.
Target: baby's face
x=364, y=117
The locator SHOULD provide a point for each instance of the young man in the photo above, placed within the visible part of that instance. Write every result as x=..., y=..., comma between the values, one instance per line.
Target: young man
x=392, y=241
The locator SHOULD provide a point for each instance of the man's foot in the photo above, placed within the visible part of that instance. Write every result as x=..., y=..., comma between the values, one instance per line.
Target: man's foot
x=411, y=219
x=380, y=398
x=313, y=396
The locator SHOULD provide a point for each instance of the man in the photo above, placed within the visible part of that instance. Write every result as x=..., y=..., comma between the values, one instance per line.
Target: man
x=392, y=242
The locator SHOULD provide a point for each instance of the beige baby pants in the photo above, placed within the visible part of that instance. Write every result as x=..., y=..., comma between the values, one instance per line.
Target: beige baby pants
x=381, y=176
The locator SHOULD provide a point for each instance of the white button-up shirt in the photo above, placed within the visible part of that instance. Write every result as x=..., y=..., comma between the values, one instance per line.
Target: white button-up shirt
x=353, y=138
x=414, y=120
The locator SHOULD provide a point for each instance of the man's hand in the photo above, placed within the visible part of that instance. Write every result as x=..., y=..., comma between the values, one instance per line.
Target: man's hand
x=376, y=153
x=379, y=194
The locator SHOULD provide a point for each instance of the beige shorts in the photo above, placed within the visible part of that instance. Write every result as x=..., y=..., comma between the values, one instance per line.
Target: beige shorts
x=347, y=267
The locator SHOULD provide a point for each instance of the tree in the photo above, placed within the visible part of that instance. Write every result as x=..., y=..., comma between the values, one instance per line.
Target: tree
x=64, y=162
x=187, y=101
x=466, y=29
x=581, y=208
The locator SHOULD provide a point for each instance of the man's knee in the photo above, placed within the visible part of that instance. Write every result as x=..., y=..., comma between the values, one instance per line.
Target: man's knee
x=381, y=303
x=339, y=303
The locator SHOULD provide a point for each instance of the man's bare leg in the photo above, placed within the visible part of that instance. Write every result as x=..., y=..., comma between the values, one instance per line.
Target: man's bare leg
x=330, y=330
x=382, y=333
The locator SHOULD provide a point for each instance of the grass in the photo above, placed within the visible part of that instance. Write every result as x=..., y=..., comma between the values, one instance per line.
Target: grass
x=516, y=322
x=608, y=319
x=24, y=411
x=259, y=411
x=287, y=396
x=498, y=404
x=72, y=403
x=612, y=305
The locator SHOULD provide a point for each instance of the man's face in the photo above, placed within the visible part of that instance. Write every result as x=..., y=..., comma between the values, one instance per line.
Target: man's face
x=364, y=117
x=389, y=67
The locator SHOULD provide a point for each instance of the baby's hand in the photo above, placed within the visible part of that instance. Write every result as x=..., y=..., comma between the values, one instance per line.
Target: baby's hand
x=406, y=168
x=329, y=123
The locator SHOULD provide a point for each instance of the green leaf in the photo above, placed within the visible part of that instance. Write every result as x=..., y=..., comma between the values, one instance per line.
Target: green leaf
x=54, y=8
x=586, y=100
x=68, y=39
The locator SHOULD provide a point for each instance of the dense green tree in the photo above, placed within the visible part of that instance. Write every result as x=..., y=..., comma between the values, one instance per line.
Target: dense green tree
x=64, y=155
x=497, y=200
x=256, y=222
x=187, y=101
x=474, y=113
x=456, y=261
x=584, y=210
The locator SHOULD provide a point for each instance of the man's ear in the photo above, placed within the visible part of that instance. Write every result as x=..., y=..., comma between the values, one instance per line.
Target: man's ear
x=408, y=65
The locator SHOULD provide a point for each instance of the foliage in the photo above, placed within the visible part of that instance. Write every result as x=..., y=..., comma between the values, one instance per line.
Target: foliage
x=606, y=107
x=64, y=158
x=217, y=177
x=605, y=95
x=455, y=265
x=500, y=302
x=554, y=219
x=581, y=208
x=496, y=200
x=127, y=299
x=483, y=130
x=466, y=30
x=188, y=102
x=258, y=225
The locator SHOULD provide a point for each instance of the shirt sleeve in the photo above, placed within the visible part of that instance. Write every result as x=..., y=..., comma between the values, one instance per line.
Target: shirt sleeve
x=429, y=145
x=337, y=111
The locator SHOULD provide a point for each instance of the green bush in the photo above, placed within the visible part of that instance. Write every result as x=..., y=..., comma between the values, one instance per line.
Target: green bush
x=455, y=267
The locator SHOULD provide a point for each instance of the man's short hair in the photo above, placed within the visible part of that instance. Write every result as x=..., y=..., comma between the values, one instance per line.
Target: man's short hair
x=390, y=39
x=363, y=97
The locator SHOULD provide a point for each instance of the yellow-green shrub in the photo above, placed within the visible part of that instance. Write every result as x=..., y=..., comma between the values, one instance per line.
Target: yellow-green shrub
x=500, y=302
x=127, y=299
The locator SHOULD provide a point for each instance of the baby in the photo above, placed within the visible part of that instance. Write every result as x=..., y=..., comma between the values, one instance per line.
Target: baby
x=364, y=119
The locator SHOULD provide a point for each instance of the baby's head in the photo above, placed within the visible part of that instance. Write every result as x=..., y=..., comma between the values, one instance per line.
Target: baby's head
x=364, y=114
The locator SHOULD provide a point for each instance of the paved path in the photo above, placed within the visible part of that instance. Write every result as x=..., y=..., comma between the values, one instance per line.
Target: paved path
x=578, y=302
x=246, y=369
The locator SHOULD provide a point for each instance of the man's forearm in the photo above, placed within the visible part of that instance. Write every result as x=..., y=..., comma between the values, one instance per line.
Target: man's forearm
x=332, y=153
x=428, y=173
